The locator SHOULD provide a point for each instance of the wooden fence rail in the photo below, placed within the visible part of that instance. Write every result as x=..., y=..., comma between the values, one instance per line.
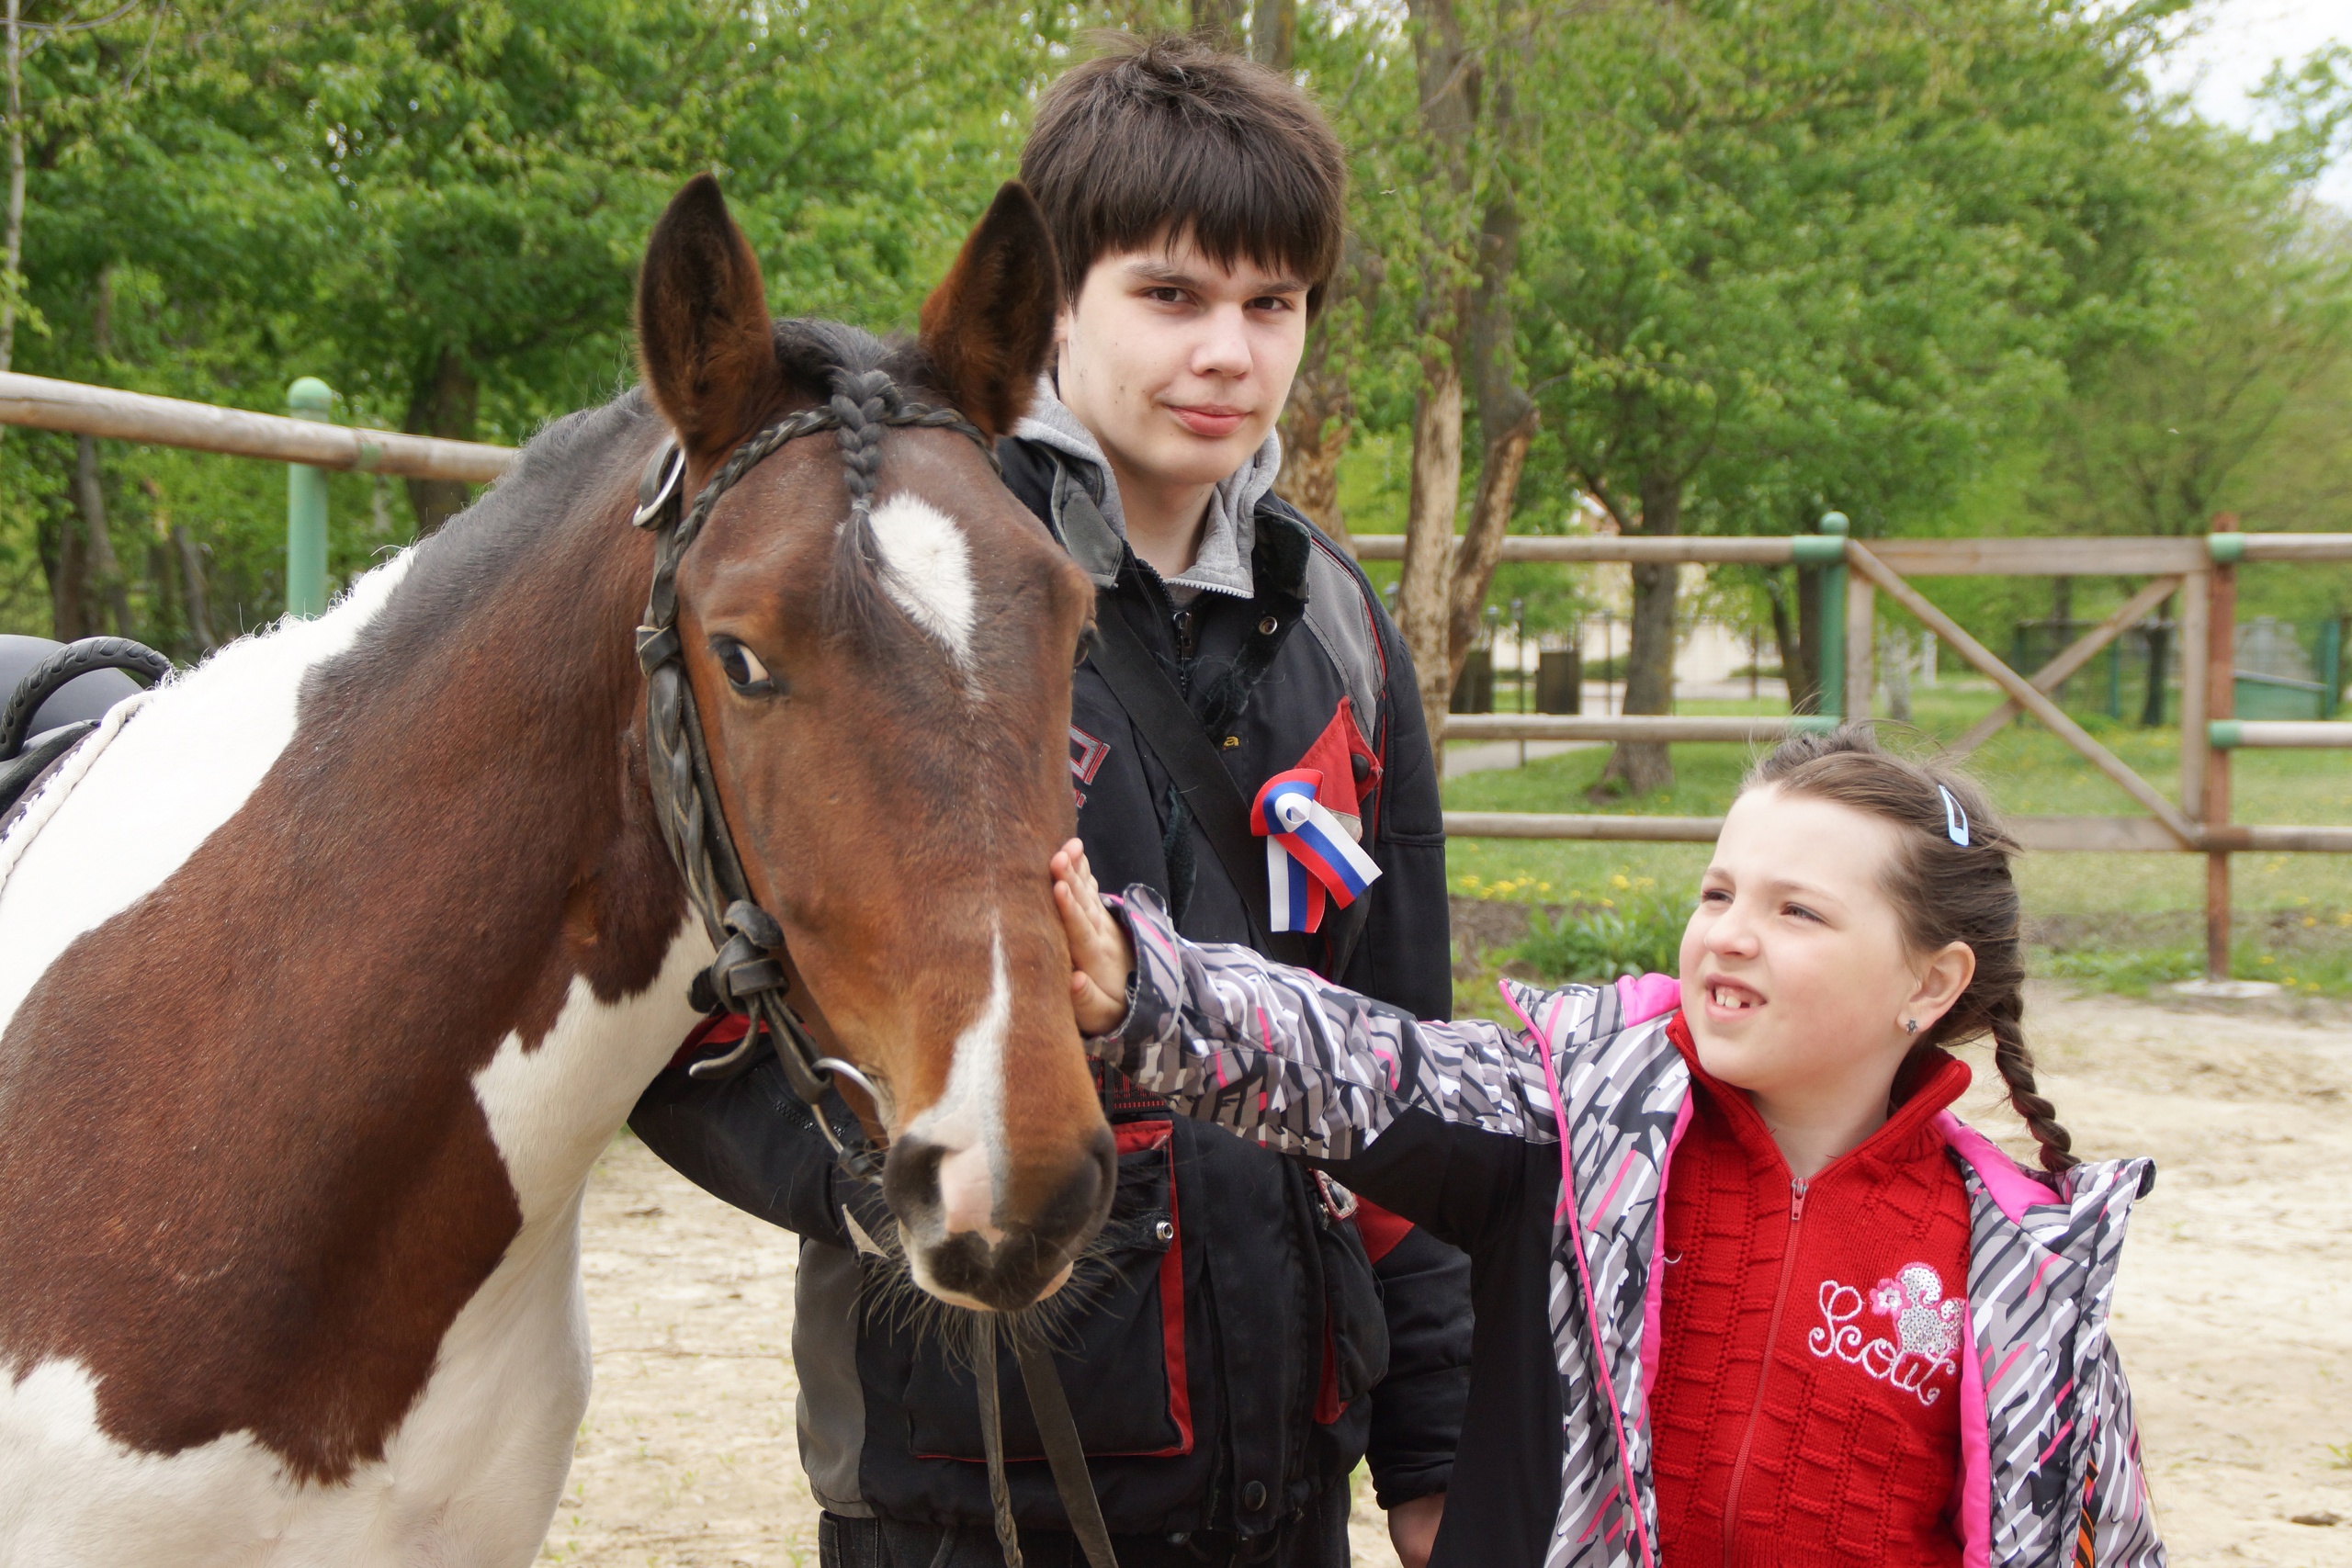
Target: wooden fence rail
x=2201, y=570
x=42, y=404
x=1912, y=558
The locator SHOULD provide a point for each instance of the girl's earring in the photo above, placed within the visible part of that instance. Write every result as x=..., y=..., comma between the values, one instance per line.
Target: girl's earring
x=1910, y=1026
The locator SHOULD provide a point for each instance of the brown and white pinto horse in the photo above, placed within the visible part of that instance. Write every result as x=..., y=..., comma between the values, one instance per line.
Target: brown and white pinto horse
x=327, y=969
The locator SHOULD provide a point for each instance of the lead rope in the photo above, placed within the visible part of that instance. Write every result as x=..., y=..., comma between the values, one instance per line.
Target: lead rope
x=1008, y=1535
x=1055, y=1428
x=1063, y=1452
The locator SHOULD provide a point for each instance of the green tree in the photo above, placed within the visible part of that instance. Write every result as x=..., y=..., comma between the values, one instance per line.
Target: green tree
x=1814, y=253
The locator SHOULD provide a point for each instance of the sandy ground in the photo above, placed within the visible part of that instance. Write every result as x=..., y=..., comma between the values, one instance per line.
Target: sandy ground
x=2235, y=1311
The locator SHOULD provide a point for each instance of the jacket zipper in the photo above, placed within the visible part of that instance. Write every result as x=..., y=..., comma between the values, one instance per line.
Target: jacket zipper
x=1764, y=1373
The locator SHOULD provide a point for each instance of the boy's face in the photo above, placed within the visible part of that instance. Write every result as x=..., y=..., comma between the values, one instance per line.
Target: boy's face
x=1177, y=365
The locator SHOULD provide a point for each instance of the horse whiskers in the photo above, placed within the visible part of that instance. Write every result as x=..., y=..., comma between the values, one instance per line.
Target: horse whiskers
x=895, y=1303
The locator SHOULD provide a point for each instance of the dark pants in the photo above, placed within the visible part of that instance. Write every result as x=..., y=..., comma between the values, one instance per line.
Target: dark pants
x=1315, y=1537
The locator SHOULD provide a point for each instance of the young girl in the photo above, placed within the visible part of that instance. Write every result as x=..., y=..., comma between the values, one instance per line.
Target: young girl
x=1798, y=1313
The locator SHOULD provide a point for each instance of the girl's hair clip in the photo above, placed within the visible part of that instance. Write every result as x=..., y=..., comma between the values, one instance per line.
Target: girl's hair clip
x=1955, y=819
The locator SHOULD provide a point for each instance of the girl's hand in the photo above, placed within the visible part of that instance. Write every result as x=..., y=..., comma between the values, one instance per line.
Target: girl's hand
x=1100, y=956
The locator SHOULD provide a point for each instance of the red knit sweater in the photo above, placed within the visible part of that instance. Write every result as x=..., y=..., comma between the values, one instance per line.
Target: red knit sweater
x=1807, y=1406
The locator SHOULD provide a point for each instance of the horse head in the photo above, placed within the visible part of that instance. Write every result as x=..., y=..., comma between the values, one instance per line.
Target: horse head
x=880, y=640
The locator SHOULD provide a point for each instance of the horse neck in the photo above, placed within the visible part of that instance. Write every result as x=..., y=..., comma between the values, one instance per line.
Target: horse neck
x=500, y=750
x=414, y=843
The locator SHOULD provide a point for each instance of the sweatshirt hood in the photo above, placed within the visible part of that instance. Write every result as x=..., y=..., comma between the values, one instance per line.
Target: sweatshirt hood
x=1222, y=565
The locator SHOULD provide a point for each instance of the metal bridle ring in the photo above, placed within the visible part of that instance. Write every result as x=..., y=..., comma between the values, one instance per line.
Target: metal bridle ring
x=842, y=1070
x=649, y=508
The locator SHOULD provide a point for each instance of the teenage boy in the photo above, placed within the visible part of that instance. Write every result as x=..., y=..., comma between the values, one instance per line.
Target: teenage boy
x=1222, y=1364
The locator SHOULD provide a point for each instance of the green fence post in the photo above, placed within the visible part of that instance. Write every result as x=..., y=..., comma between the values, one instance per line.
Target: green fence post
x=306, y=508
x=1833, y=620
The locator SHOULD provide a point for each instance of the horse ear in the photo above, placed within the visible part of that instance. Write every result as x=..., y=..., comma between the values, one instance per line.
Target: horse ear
x=704, y=340
x=990, y=324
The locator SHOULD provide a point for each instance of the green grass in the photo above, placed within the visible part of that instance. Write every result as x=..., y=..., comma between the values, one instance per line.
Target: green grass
x=2129, y=921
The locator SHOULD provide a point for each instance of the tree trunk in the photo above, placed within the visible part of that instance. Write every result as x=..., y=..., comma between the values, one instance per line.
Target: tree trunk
x=1798, y=636
x=1637, y=767
x=1482, y=545
x=1320, y=417
x=1506, y=413
x=164, y=597
x=1421, y=589
x=197, y=594
x=1896, y=653
x=1317, y=425
x=68, y=564
x=14, y=245
x=106, y=569
x=1219, y=21
x=1273, y=31
x=2152, y=706
x=444, y=403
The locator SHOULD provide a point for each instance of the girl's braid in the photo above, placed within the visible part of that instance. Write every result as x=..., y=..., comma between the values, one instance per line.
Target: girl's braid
x=2006, y=1019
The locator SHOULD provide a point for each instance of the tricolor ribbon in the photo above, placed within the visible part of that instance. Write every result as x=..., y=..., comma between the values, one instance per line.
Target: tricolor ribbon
x=1311, y=859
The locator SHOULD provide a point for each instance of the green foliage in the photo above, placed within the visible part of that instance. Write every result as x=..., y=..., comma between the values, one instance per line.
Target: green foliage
x=1949, y=270
x=438, y=208
x=1636, y=931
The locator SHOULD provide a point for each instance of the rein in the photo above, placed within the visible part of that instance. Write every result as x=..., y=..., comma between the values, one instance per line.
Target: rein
x=748, y=974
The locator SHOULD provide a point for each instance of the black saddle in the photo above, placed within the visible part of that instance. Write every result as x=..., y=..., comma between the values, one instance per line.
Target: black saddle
x=59, y=693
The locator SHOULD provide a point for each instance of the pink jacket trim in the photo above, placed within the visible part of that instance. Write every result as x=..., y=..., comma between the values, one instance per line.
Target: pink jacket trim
x=1654, y=1307
x=1646, y=997
x=2012, y=1188
x=2014, y=1193
x=1584, y=1279
x=1973, y=1491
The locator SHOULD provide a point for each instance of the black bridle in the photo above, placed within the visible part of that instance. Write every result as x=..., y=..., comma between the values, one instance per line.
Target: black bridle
x=749, y=975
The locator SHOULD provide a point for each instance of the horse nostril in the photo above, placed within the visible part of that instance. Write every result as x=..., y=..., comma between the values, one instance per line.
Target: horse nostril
x=1076, y=1211
x=911, y=1177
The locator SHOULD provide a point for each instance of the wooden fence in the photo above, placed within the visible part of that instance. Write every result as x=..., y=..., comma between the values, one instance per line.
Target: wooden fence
x=2203, y=570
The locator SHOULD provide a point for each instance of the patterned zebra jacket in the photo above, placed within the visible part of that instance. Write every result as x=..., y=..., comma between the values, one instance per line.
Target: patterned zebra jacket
x=1545, y=1153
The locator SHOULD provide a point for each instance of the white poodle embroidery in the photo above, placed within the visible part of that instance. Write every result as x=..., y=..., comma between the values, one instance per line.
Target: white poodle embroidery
x=1928, y=1327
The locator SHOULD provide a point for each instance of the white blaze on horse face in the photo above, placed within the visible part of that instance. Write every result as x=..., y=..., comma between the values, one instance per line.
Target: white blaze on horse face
x=927, y=570
x=967, y=1123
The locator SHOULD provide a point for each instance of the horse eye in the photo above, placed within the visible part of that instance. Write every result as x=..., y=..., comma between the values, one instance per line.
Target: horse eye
x=1086, y=640
x=742, y=667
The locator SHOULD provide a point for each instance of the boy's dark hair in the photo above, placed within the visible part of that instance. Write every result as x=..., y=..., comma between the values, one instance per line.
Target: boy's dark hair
x=1170, y=134
x=1944, y=892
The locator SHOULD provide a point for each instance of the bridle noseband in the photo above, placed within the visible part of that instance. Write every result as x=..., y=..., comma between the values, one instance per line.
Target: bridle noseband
x=749, y=975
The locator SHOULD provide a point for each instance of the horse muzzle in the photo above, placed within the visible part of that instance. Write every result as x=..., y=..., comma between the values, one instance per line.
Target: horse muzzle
x=970, y=1243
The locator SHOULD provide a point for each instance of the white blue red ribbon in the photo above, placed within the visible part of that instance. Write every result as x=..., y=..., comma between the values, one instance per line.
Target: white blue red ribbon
x=1311, y=860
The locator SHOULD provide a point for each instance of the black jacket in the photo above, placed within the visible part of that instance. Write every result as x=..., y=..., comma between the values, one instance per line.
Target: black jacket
x=1265, y=676
x=1222, y=1370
